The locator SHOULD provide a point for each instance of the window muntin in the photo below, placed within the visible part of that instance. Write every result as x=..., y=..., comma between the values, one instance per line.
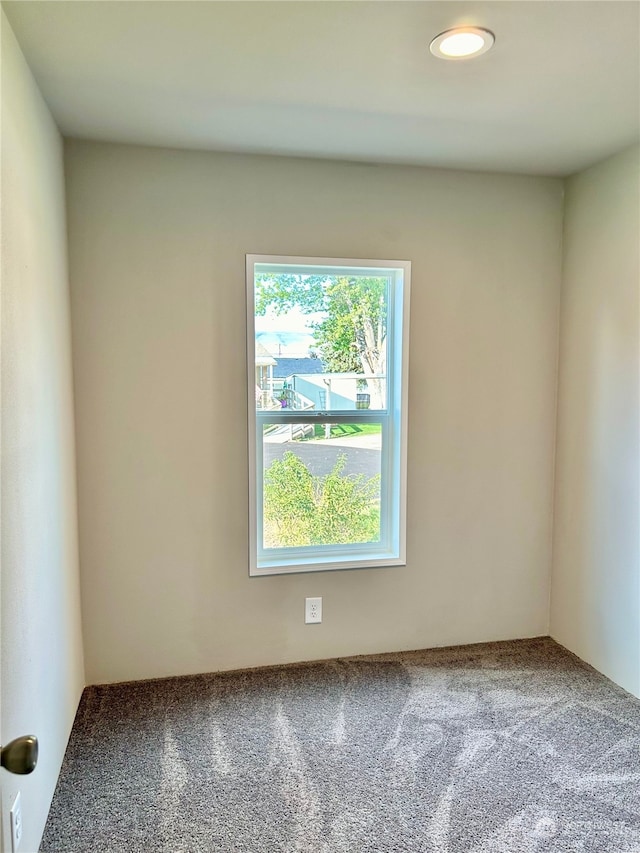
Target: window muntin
x=327, y=369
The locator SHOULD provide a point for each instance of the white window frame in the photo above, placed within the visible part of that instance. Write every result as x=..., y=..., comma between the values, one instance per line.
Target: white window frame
x=391, y=550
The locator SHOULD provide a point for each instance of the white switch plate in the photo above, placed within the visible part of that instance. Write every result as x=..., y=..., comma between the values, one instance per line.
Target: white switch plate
x=312, y=610
x=15, y=815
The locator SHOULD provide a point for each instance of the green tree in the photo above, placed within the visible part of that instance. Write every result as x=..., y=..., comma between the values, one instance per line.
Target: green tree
x=289, y=502
x=302, y=509
x=351, y=336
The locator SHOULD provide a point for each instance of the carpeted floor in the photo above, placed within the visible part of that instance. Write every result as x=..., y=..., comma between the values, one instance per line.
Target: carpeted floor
x=507, y=747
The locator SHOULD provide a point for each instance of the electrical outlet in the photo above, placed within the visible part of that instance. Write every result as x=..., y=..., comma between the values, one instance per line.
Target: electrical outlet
x=15, y=816
x=312, y=610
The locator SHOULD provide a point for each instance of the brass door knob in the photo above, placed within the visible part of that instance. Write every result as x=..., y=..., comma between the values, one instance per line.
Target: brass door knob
x=21, y=755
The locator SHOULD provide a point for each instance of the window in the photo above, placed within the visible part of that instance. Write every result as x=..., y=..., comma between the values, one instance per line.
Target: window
x=327, y=375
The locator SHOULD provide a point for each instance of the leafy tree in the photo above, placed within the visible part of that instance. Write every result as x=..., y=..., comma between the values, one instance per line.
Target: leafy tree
x=302, y=509
x=351, y=336
x=289, y=503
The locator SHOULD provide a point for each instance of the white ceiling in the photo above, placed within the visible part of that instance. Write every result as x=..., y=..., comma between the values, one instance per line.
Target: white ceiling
x=348, y=80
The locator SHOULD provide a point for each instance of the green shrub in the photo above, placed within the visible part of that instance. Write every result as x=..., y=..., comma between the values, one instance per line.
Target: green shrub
x=302, y=509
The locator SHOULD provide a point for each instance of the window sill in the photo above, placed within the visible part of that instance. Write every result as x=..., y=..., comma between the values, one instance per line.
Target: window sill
x=294, y=566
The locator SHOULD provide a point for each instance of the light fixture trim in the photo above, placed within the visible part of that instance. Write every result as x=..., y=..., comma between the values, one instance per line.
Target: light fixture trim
x=462, y=43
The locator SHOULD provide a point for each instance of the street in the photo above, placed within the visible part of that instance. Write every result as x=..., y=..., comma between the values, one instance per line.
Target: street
x=320, y=455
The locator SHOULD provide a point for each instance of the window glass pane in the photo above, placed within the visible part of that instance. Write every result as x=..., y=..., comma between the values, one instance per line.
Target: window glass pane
x=320, y=341
x=321, y=484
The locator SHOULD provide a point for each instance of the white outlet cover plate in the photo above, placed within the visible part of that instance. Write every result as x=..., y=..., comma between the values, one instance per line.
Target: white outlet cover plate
x=312, y=610
x=15, y=815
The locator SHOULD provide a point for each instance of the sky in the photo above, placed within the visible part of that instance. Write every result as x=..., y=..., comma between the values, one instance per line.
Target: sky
x=286, y=334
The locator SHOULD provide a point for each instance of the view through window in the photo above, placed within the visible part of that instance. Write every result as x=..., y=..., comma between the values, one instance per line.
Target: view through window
x=327, y=384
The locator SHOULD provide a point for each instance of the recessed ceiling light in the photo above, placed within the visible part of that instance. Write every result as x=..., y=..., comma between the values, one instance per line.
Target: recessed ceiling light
x=462, y=43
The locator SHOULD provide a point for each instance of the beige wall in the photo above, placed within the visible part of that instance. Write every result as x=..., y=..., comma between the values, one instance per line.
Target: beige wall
x=157, y=246
x=42, y=667
x=596, y=580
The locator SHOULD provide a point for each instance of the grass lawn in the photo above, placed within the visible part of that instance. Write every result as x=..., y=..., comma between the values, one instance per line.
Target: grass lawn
x=345, y=430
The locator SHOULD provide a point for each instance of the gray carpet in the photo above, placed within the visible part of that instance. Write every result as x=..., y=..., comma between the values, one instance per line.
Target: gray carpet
x=507, y=747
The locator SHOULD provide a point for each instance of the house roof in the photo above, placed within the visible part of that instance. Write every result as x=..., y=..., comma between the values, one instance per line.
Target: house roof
x=286, y=366
x=263, y=356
